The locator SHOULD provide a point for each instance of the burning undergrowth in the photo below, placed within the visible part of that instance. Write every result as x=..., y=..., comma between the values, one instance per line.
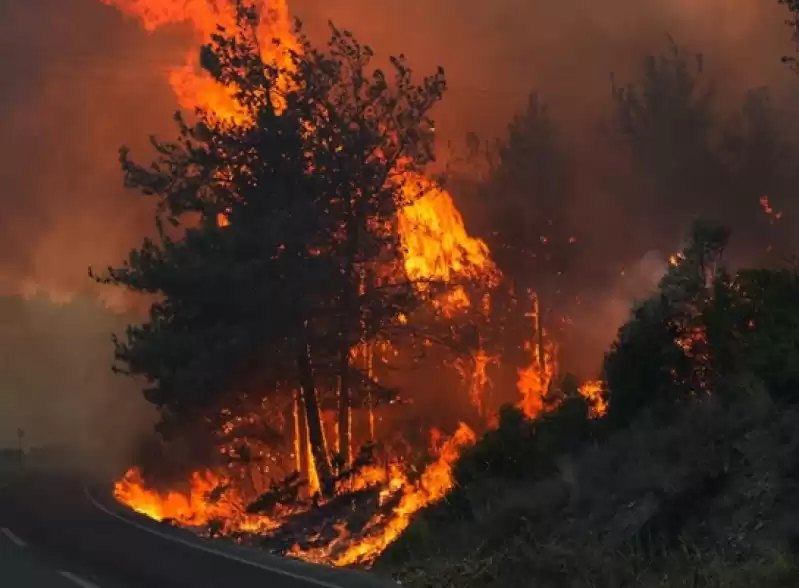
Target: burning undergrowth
x=263, y=470
x=372, y=505
x=374, y=500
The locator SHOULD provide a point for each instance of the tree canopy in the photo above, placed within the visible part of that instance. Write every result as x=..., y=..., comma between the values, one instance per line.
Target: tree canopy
x=702, y=329
x=277, y=249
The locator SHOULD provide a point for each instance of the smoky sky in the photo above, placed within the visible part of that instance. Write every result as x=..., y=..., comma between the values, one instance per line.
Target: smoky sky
x=80, y=80
x=495, y=52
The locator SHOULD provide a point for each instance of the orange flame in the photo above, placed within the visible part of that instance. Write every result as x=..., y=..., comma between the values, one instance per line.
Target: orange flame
x=475, y=374
x=433, y=233
x=437, y=245
x=193, y=86
x=194, y=507
x=535, y=380
x=433, y=485
x=594, y=392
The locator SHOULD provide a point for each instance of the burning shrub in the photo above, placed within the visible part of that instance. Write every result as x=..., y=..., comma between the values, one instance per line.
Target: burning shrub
x=662, y=354
x=703, y=328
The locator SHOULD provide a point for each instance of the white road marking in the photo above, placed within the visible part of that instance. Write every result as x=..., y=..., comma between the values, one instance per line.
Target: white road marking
x=206, y=549
x=77, y=580
x=12, y=537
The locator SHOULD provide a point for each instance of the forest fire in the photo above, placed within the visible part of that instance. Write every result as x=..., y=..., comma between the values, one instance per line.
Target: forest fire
x=211, y=501
x=436, y=248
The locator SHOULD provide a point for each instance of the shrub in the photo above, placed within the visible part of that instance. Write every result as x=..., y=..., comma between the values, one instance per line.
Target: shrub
x=522, y=449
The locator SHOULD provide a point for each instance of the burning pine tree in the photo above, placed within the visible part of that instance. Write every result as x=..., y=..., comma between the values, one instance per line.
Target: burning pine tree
x=300, y=248
x=297, y=240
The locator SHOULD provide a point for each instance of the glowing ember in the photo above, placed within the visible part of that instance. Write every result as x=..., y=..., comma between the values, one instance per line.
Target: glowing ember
x=770, y=212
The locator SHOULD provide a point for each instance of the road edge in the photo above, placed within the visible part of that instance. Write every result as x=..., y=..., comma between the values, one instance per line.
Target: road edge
x=375, y=581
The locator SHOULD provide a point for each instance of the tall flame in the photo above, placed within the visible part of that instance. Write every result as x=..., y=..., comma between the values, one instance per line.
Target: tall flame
x=193, y=87
x=433, y=233
x=535, y=380
x=437, y=245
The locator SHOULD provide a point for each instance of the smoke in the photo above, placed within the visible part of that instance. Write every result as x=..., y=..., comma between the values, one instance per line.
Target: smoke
x=58, y=387
x=80, y=79
x=74, y=94
x=596, y=323
x=496, y=52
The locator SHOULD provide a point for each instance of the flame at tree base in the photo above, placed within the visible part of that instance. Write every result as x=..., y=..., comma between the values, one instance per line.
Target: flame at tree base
x=211, y=500
x=197, y=506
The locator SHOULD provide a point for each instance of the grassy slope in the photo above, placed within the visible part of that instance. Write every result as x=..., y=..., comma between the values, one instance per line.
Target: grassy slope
x=711, y=500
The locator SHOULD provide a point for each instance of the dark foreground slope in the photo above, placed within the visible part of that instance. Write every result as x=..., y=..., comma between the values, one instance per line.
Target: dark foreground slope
x=711, y=499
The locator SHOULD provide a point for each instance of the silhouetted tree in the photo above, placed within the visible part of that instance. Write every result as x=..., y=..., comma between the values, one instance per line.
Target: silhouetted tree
x=667, y=125
x=528, y=194
x=523, y=198
x=761, y=154
x=663, y=354
x=307, y=262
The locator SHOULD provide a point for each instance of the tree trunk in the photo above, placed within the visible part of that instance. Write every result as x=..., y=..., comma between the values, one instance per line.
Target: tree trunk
x=350, y=317
x=344, y=411
x=368, y=353
x=299, y=434
x=316, y=433
x=311, y=475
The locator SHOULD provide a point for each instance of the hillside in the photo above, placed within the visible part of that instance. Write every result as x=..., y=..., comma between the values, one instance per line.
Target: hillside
x=691, y=479
x=710, y=500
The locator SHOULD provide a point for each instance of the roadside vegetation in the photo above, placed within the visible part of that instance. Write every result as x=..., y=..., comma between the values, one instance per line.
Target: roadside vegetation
x=691, y=479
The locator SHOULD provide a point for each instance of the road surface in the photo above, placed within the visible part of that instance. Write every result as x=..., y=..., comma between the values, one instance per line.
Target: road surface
x=57, y=531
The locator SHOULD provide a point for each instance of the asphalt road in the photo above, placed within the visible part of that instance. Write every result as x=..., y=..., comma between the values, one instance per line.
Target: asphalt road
x=58, y=531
